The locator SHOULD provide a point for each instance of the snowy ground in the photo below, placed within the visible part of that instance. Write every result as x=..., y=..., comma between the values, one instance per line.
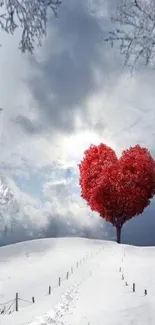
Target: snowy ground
x=94, y=292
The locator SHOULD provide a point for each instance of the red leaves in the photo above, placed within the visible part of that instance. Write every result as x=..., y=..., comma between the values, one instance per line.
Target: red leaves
x=96, y=159
x=117, y=189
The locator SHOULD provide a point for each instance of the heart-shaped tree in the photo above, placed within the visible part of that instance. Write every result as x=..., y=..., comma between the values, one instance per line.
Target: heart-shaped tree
x=118, y=189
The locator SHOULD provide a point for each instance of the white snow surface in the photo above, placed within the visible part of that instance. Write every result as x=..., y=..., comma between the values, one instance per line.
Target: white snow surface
x=95, y=292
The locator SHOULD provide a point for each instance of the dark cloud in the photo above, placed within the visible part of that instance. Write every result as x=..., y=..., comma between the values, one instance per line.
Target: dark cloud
x=29, y=126
x=19, y=231
x=140, y=230
x=61, y=83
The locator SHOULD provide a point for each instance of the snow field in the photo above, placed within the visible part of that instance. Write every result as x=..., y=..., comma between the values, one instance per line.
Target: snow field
x=94, y=294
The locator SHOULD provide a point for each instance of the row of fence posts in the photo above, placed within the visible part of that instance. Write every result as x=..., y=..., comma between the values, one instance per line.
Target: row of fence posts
x=59, y=281
x=133, y=285
x=67, y=277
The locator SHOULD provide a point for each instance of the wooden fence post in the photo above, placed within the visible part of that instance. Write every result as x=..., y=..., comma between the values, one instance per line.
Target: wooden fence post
x=33, y=300
x=67, y=275
x=59, y=281
x=17, y=301
x=49, y=290
x=133, y=287
x=122, y=277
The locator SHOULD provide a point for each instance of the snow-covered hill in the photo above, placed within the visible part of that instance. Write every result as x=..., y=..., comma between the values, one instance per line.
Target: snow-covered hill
x=95, y=291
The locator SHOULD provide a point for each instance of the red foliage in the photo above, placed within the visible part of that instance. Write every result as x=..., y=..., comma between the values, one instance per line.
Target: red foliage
x=117, y=189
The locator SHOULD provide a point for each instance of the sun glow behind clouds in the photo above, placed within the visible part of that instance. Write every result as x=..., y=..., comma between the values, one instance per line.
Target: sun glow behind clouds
x=75, y=145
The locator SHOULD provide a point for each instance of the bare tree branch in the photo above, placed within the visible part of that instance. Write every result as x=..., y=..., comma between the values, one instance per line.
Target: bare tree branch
x=135, y=31
x=30, y=16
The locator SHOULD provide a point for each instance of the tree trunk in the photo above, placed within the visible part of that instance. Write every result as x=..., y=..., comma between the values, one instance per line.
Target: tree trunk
x=118, y=231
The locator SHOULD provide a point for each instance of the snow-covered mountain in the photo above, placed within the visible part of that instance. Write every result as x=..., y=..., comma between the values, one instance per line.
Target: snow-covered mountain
x=9, y=206
x=6, y=195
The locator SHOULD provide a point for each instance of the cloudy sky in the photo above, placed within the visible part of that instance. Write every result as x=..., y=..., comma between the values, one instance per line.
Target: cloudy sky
x=72, y=92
